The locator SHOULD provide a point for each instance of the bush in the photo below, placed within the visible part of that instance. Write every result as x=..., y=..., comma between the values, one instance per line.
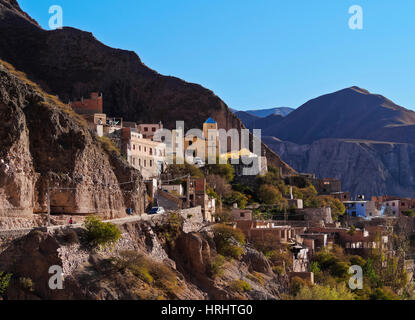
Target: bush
x=171, y=228
x=339, y=292
x=256, y=277
x=228, y=241
x=241, y=286
x=237, y=197
x=100, y=233
x=278, y=270
x=70, y=237
x=216, y=266
x=269, y=194
x=409, y=213
x=26, y=284
x=151, y=272
x=4, y=282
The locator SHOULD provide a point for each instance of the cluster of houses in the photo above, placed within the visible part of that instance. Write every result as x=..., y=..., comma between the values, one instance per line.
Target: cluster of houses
x=305, y=237
x=149, y=152
x=146, y=148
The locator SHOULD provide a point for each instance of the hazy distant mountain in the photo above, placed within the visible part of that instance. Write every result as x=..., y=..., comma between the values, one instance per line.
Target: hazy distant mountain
x=351, y=113
x=363, y=139
x=262, y=113
x=253, y=122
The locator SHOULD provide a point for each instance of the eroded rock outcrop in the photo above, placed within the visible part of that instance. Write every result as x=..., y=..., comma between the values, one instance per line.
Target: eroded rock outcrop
x=43, y=143
x=368, y=167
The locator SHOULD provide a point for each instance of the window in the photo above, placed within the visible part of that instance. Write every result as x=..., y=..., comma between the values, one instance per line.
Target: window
x=139, y=148
x=133, y=161
x=151, y=151
x=139, y=162
x=242, y=214
x=145, y=149
x=133, y=146
x=151, y=163
x=153, y=129
x=146, y=129
x=145, y=163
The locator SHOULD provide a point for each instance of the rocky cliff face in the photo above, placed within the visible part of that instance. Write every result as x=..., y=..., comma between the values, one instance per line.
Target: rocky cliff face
x=369, y=167
x=72, y=63
x=42, y=142
x=99, y=275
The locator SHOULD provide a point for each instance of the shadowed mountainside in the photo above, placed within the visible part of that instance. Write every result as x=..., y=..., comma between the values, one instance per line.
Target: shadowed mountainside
x=72, y=63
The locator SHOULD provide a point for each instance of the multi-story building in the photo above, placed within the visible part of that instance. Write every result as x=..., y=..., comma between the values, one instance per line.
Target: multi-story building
x=148, y=130
x=146, y=155
x=363, y=209
x=196, y=196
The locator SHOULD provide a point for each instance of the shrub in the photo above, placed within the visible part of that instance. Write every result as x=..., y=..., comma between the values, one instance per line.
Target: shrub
x=151, y=272
x=408, y=213
x=256, y=277
x=70, y=237
x=237, y=197
x=269, y=194
x=100, y=233
x=241, y=286
x=296, y=284
x=339, y=292
x=4, y=282
x=279, y=270
x=26, y=284
x=171, y=228
x=228, y=241
x=216, y=266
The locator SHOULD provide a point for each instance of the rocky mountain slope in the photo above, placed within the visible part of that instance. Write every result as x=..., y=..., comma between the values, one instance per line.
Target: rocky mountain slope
x=368, y=167
x=71, y=63
x=351, y=113
x=42, y=142
x=363, y=139
x=144, y=264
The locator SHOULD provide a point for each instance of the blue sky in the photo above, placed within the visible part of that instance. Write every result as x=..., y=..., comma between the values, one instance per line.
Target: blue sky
x=258, y=53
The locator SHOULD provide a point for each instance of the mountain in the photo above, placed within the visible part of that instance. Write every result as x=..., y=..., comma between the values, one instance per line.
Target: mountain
x=262, y=113
x=368, y=167
x=351, y=113
x=363, y=139
x=47, y=152
x=71, y=63
x=253, y=122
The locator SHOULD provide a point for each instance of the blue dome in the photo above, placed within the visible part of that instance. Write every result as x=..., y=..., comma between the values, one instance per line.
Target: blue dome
x=210, y=120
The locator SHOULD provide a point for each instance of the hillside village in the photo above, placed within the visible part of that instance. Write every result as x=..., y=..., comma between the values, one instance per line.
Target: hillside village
x=131, y=208
x=301, y=215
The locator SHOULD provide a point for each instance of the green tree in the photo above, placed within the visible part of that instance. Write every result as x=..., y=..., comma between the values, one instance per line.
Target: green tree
x=100, y=233
x=228, y=241
x=318, y=292
x=269, y=194
x=237, y=197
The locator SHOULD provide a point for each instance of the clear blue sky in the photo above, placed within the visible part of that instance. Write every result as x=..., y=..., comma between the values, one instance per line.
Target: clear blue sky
x=258, y=53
